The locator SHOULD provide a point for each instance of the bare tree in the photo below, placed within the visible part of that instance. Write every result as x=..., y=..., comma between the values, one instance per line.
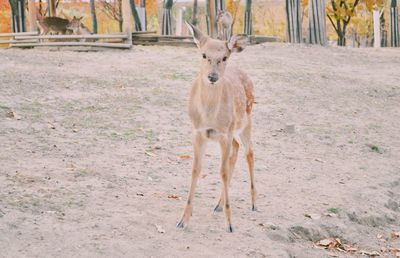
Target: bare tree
x=113, y=9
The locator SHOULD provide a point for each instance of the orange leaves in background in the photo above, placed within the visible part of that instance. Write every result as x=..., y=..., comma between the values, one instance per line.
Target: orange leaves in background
x=151, y=7
x=5, y=16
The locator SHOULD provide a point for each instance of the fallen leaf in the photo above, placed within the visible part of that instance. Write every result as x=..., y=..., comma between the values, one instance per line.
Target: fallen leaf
x=313, y=216
x=370, y=253
x=173, y=196
x=160, y=229
x=349, y=248
x=333, y=215
x=10, y=114
x=395, y=235
x=51, y=126
x=395, y=252
x=184, y=156
x=151, y=154
x=379, y=236
x=330, y=243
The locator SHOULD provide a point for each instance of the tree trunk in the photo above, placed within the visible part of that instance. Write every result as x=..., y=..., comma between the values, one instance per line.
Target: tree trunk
x=167, y=19
x=212, y=11
x=94, y=17
x=293, y=21
x=138, y=24
x=194, y=13
x=248, y=27
x=18, y=15
x=377, y=29
x=394, y=25
x=52, y=7
x=317, y=24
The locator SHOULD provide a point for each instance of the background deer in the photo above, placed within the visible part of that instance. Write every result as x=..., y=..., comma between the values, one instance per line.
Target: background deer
x=225, y=24
x=54, y=25
x=78, y=28
x=220, y=108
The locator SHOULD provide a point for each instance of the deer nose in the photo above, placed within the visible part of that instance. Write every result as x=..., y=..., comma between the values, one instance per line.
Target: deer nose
x=213, y=77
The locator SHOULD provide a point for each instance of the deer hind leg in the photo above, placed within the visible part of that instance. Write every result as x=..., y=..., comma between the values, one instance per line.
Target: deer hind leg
x=248, y=145
x=232, y=162
x=198, y=146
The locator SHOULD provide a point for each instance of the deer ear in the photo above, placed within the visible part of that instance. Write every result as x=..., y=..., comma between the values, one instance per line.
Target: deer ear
x=198, y=37
x=80, y=18
x=237, y=43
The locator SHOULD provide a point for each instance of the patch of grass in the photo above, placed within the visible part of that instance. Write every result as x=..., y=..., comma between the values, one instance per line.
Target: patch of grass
x=333, y=210
x=374, y=148
x=178, y=77
x=82, y=172
x=350, y=141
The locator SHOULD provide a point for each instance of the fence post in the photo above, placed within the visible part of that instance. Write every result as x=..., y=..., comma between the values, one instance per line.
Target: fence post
x=127, y=20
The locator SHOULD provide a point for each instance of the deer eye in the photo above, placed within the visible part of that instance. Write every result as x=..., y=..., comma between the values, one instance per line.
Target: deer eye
x=224, y=59
x=204, y=56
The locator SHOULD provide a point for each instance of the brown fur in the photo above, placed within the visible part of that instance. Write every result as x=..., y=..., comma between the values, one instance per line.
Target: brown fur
x=220, y=111
x=54, y=25
x=79, y=28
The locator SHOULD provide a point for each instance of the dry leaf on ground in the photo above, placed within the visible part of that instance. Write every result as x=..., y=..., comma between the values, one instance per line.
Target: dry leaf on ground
x=160, y=229
x=395, y=235
x=313, y=216
x=330, y=243
x=370, y=253
x=173, y=196
x=184, y=156
x=151, y=154
x=51, y=125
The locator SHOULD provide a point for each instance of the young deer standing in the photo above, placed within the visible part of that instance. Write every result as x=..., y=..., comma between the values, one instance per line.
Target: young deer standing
x=78, y=28
x=220, y=107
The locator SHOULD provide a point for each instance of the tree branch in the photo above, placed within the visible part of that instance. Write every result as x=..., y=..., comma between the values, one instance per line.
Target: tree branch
x=333, y=24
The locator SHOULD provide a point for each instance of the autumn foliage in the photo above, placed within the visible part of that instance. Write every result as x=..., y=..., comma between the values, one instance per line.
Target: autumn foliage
x=5, y=18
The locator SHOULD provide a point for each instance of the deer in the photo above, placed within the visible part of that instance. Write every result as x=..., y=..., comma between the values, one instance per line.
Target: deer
x=78, y=28
x=220, y=106
x=225, y=24
x=54, y=25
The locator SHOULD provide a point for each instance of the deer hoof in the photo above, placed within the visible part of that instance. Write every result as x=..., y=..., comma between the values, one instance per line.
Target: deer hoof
x=181, y=224
x=229, y=228
x=253, y=208
x=218, y=208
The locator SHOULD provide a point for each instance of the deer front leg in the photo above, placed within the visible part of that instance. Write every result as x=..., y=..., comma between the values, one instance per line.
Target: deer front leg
x=198, y=147
x=225, y=144
x=232, y=162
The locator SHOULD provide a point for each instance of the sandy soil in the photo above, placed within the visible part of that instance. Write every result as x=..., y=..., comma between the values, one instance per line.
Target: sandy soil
x=92, y=144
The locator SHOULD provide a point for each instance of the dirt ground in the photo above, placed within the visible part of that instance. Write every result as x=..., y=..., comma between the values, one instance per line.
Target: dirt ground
x=94, y=152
